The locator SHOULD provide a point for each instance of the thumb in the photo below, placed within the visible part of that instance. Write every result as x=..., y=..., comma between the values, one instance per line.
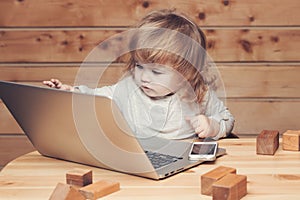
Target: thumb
x=192, y=120
x=189, y=118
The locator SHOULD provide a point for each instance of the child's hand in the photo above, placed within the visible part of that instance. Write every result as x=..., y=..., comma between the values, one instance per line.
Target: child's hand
x=204, y=126
x=55, y=83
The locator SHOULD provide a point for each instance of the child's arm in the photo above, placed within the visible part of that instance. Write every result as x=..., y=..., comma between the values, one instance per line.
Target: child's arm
x=204, y=126
x=217, y=111
x=216, y=123
x=104, y=91
x=55, y=83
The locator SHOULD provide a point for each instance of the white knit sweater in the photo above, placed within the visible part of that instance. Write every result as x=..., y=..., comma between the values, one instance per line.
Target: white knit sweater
x=165, y=117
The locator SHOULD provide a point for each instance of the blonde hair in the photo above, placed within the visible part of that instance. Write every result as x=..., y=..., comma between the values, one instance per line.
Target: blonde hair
x=175, y=40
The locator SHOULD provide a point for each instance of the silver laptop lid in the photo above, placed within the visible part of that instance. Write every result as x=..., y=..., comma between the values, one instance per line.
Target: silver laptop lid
x=87, y=129
x=60, y=125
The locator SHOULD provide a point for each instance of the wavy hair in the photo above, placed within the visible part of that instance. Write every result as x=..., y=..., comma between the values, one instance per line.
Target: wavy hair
x=169, y=37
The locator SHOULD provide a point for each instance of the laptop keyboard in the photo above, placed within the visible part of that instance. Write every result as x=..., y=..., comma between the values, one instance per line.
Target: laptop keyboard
x=159, y=160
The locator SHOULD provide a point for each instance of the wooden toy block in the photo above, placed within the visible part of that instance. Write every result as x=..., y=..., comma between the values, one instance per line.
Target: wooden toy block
x=291, y=140
x=79, y=177
x=66, y=192
x=267, y=142
x=230, y=187
x=99, y=189
x=212, y=176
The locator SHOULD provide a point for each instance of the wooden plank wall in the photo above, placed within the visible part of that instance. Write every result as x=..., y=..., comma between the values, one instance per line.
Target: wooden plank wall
x=255, y=44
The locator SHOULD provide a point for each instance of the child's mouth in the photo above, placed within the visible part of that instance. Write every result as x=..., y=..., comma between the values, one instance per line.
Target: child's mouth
x=146, y=88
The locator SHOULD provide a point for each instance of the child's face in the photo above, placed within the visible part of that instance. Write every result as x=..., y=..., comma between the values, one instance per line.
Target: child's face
x=157, y=80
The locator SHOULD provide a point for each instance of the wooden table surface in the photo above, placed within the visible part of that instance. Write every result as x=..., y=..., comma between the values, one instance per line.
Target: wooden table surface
x=33, y=176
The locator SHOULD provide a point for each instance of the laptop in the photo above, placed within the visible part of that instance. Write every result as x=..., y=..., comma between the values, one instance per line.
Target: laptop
x=91, y=130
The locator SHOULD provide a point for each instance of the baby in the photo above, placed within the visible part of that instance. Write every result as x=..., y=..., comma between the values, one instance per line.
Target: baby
x=164, y=92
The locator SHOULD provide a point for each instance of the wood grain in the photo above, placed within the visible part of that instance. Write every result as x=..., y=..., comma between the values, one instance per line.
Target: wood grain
x=255, y=43
x=224, y=45
x=230, y=187
x=261, y=80
x=268, y=178
x=79, y=177
x=12, y=146
x=65, y=191
x=252, y=116
x=89, y=13
x=99, y=189
x=267, y=142
x=209, y=178
x=291, y=140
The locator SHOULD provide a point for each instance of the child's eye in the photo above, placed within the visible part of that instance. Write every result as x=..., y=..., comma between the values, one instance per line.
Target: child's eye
x=157, y=72
x=139, y=66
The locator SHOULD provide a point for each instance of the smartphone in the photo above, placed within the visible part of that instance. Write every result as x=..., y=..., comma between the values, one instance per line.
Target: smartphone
x=203, y=151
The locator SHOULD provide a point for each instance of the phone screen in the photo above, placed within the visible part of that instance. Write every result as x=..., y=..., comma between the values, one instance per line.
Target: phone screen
x=203, y=149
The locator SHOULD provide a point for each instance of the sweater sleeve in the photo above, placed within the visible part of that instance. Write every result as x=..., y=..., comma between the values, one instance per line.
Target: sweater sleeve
x=106, y=91
x=215, y=109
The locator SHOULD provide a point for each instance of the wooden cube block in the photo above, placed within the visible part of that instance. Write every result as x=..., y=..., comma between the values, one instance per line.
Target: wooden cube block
x=291, y=140
x=79, y=177
x=66, y=192
x=212, y=176
x=267, y=142
x=230, y=187
x=99, y=189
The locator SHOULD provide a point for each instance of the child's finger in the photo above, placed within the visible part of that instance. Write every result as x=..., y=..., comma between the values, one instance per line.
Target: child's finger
x=48, y=83
x=194, y=121
x=201, y=135
x=198, y=130
x=55, y=81
x=58, y=84
x=191, y=119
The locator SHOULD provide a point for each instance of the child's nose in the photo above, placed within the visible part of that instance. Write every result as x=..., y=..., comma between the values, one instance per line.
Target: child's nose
x=145, y=76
